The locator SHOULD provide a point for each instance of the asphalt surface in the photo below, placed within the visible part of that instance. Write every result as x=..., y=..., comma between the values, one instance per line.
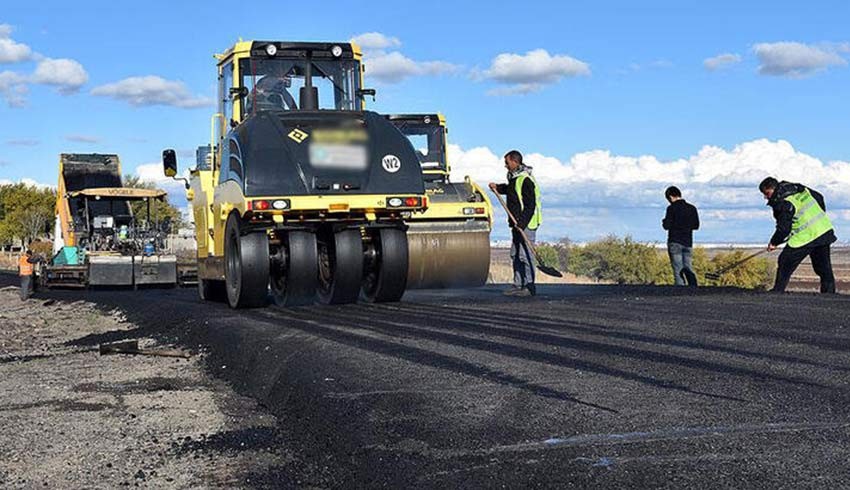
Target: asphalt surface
x=581, y=386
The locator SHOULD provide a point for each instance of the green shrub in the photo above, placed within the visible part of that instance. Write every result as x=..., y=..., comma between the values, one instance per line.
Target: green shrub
x=753, y=274
x=624, y=261
x=548, y=254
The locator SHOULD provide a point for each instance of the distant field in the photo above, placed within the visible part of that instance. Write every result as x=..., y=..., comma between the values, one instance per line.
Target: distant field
x=804, y=278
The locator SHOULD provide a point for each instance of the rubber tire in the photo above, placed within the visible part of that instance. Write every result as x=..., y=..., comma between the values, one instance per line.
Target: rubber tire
x=211, y=290
x=246, y=266
x=387, y=282
x=345, y=260
x=297, y=285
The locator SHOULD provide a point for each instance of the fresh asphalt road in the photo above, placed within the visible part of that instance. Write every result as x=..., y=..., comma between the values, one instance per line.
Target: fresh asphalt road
x=581, y=386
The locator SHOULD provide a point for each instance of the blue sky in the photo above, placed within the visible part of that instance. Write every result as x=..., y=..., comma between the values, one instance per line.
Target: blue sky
x=624, y=98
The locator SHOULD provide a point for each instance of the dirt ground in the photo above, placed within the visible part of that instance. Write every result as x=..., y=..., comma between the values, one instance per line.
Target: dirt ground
x=71, y=418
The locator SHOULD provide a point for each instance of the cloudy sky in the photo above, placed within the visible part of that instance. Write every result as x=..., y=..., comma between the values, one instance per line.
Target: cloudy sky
x=610, y=101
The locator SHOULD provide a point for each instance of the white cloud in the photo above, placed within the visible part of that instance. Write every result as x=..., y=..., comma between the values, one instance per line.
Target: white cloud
x=721, y=182
x=518, y=89
x=797, y=60
x=23, y=142
x=375, y=40
x=393, y=66
x=13, y=88
x=152, y=173
x=11, y=51
x=531, y=71
x=65, y=74
x=27, y=181
x=152, y=90
x=721, y=61
x=82, y=138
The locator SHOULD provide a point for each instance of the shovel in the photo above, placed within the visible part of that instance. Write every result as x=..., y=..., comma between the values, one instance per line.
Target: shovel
x=546, y=269
x=715, y=276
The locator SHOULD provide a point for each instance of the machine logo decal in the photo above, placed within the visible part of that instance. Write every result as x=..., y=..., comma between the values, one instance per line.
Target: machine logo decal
x=297, y=135
x=391, y=163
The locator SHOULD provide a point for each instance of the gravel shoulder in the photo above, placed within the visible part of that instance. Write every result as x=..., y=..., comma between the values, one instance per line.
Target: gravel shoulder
x=71, y=418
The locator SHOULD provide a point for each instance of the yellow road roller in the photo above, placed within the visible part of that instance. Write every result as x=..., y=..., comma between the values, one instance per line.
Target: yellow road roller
x=449, y=244
x=305, y=191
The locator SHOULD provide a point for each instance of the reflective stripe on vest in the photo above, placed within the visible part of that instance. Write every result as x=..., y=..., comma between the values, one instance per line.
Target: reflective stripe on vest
x=810, y=220
x=537, y=219
x=26, y=267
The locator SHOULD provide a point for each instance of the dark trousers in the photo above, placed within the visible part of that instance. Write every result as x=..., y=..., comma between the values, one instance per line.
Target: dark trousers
x=523, y=262
x=26, y=287
x=790, y=258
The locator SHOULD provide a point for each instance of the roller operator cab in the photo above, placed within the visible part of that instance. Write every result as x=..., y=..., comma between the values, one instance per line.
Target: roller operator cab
x=449, y=244
x=303, y=189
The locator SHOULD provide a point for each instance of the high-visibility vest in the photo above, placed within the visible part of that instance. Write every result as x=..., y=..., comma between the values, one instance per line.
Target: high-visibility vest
x=810, y=220
x=537, y=219
x=25, y=267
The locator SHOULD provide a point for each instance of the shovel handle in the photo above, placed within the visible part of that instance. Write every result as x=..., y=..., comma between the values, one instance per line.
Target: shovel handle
x=742, y=261
x=516, y=227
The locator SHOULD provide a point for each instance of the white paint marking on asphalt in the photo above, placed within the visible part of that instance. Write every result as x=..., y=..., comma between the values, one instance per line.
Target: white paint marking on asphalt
x=666, y=434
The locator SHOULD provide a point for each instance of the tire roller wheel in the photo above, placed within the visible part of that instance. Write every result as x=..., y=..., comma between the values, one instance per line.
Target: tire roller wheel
x=246, y=266
x=340, y=266
x=295, y=270
x=447, y=255
x=210, y=290
x=386, y=277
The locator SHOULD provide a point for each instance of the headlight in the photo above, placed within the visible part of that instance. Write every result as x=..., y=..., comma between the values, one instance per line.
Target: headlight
x=271, y=49
x=336, y=51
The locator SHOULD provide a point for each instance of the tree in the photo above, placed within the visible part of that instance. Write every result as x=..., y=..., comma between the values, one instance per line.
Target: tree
x=161, y=209
x=26, y=212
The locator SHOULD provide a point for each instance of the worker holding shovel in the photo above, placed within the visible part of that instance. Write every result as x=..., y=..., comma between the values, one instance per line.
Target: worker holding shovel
x=801, y=221
x=525, y=216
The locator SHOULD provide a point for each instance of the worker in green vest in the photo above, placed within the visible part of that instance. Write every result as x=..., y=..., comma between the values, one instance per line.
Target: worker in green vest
x=803, y=225
x=523, y=200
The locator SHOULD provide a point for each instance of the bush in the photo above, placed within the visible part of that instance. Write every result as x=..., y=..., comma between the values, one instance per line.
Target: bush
x=625, y=261
x=754, y=274
x=549, y=255
x=622, y=261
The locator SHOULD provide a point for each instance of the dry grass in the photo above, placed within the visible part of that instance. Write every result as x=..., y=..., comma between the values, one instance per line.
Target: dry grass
x=501, y=273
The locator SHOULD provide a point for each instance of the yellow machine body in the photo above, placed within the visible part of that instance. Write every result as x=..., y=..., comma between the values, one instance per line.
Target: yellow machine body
x=449, y=244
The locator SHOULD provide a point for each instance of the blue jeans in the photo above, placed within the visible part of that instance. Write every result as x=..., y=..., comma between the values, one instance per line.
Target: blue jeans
x=681, y=259
x=523, y=262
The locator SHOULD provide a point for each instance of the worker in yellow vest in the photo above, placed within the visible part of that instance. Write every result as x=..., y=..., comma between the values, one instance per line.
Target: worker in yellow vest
x=25, y=270
x=523, y=200
x=803, y=225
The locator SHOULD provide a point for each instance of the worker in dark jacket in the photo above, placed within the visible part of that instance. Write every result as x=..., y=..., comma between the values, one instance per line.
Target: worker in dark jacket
x=680, y=222
x=803, y=225
x=523, y=200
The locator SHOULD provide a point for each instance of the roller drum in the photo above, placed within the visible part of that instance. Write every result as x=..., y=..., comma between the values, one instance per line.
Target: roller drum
x=448, y=254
